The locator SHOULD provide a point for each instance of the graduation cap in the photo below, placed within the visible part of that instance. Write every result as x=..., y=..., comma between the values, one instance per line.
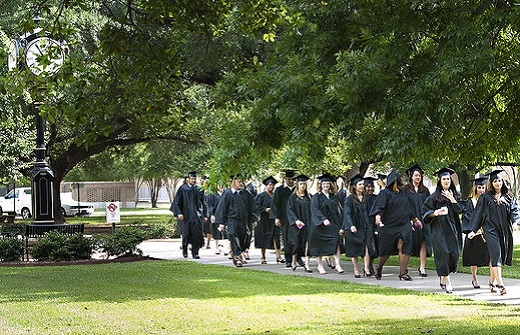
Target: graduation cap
x=494, y=174
x=392, y=177
x=381, y=176
x=268, y=180
x=445, y=172
x=369, y=180
x=192, y=174
x=302, y=177
x=413, y=168
x=236, y=176
x=356, y=179
x=289, y=173
x=480, y=180
x=326, y=177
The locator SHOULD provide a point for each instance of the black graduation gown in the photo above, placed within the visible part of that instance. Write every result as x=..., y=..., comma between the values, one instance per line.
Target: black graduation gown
x=279, y=211
x=237, y=210
x=396, y=214
x=371, y=199
x=189, y=201
x=475, y=250
x=496, y=221
x=212, y=203
x=324, y=240
x=446, y=234
x=355, y=213
x=419, y=234
x=265, y=228
x=299, y=209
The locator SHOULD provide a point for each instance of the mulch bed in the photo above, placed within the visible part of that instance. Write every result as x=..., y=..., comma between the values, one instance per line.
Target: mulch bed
x=120, y=259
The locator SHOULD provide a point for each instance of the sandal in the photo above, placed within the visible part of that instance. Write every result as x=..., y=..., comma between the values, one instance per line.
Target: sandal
x=502, y=289
x=443, y=286
x=280, y=260
x=263, y=261
x=405, y=276
x=492, y=288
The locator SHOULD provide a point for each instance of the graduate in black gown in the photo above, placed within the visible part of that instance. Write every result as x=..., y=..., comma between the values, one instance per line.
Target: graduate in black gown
x=236, y=212
x=267, y=234
x=219, y=236
x=496, y=212
x=357, y=226
x=474, y=251
x=279, y=213
x=299, y=216
x=421, y=234
x=189, y=208
x=326, y=221
x=442, y=212
x=371, y=199
x=393, y=213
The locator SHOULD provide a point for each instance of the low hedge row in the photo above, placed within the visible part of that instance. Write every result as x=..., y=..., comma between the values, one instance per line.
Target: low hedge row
x=55, y=246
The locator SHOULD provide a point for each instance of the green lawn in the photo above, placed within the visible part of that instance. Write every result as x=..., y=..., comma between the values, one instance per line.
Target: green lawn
x=172, y=297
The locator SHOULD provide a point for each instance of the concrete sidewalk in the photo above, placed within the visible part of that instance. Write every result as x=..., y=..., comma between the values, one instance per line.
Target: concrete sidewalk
x=169, y=249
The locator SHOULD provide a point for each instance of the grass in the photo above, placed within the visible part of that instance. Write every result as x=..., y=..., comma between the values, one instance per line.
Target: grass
x=176, y=297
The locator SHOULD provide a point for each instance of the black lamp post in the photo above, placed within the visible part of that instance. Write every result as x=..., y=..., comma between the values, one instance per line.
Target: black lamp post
x=43, y=56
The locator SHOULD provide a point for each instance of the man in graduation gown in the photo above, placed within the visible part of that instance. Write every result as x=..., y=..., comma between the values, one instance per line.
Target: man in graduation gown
x=279, y=213
x=189, y=208
x=237, y=212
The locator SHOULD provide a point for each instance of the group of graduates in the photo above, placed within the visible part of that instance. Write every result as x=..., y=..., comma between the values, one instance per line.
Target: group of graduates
x=404, y=220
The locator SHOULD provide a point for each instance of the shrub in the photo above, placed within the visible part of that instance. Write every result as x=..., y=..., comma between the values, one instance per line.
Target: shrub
x=11, y=249
x=123, y=241
x=56, y=246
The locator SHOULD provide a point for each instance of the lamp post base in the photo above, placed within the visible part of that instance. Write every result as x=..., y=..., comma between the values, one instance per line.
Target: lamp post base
x=42, y=193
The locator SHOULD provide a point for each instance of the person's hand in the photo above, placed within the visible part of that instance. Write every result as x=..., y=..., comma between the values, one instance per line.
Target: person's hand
x=268, y=210
x=353, y=229
x=221, y=227
x=341, y=232
x=379, y=223
x=180, y=217
x=326, y=222
x=278, y=222
x=299, y=224
x=212, y=219
x=449, y=194
x=441, y=211
x=471, y=235
x=418, y=224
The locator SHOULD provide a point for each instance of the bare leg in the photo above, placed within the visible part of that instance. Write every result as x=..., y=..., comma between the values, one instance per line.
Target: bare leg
x=449, y=287
x=422, y=256
x=319, y=260
x=366, y=261
x=403, y=258
x=355, y=265
x=474, y=275
x=337, y=257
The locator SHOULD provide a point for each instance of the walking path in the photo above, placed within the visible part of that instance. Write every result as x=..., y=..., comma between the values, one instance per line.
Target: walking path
x=169, y=249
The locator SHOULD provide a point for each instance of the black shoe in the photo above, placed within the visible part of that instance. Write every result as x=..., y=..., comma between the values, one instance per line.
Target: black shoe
x=288, y=265
x=422, y=274
x=185, y=252
x=379, y=274
x=474, y=286
x=196, y=256
x=443, y=286
x=405, y=276
x=300, y=262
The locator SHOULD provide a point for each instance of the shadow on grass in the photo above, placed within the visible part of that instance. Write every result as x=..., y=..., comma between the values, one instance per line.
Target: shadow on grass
x=118, y=282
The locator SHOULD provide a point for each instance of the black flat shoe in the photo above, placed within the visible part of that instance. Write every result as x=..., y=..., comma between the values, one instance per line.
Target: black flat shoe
x=474, y=286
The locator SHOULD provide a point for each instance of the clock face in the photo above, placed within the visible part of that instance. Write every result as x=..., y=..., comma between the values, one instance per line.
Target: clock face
x=44, y=56
x=12, y=57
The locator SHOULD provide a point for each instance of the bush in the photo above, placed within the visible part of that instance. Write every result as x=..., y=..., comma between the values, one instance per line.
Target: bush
x=123, y=241
x=56, y=246
x=11, y=249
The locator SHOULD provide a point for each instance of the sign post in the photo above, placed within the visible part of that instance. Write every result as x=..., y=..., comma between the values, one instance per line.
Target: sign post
x=113, y=214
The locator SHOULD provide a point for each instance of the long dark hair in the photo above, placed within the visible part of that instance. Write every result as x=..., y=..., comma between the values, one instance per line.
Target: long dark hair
x=410, y=187
x=354, y=196
x=504, y=189
x=437, y=195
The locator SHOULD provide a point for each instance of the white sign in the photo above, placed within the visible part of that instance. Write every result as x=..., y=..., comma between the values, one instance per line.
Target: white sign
x=112, y=212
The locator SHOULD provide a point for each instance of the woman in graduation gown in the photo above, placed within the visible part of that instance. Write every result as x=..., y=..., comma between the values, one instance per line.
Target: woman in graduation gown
x=357, y=226
x=393, y=215
x=474, y=252
x=326, y=221
x=495, y=213
x=421, y=234
x=218, y=235
x=299, y=216
x=441, y=211
x=371, y=199
x=266, y=232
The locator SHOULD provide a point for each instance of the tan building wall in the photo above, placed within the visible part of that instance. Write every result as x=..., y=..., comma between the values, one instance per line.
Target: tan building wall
x=101, y=192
